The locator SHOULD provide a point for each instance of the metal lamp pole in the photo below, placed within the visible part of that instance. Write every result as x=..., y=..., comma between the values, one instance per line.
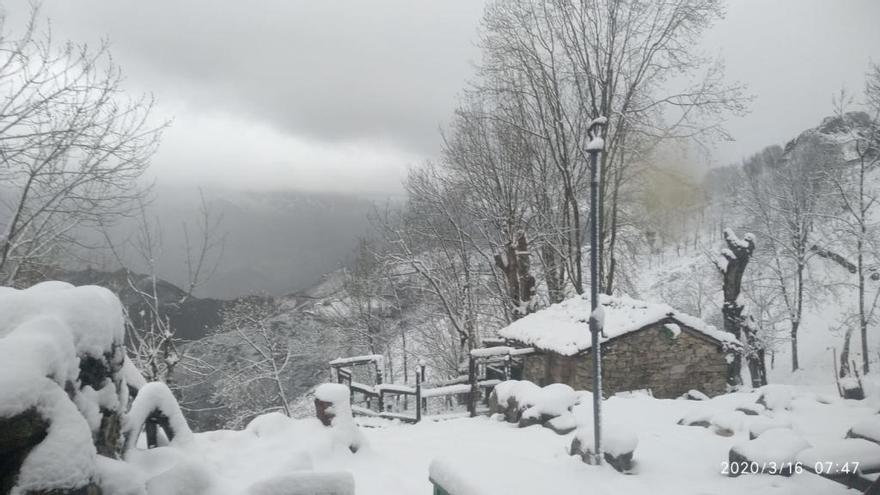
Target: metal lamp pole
x=596, y=146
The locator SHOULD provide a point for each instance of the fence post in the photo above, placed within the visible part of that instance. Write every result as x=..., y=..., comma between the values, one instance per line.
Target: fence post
x=472, y=379
x=423, y=402
x=418, y=398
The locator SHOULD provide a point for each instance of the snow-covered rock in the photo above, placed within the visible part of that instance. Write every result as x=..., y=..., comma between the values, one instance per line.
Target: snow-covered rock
x=775, y=450
x=618, y=445
x=758, y=426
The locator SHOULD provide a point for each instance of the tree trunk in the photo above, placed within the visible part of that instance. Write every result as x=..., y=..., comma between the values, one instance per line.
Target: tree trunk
x=737, y=254
x=520, y=283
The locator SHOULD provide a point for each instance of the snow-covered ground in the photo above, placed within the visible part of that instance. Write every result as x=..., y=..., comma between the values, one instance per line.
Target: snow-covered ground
x=492, y=457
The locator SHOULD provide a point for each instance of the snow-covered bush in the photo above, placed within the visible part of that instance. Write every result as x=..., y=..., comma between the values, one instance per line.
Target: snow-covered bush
x=62, y=389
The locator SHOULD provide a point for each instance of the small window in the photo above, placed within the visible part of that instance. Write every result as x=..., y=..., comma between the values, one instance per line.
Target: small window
x=671, y=331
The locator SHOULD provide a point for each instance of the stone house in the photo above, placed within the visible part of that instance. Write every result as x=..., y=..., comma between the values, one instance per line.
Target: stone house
x=646, y=346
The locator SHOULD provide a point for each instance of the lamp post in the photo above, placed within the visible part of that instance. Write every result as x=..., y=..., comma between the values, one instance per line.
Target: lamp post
x=594, y=147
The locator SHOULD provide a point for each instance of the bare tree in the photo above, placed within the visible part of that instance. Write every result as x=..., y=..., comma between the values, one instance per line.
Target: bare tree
x=784, y=194
x=73, y=147
x=857, y=200
x=203, y=259
x=259, y=360
x=567, y=62
x=155, y=348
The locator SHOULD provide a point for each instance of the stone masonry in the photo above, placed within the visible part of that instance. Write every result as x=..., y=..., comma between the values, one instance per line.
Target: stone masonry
x=650, y=358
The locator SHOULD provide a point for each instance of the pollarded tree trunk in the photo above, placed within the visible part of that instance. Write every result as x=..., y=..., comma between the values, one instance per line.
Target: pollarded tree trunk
x=737, y=254
x=520, y=283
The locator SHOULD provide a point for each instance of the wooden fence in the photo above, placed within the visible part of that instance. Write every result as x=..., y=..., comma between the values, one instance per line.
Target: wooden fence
x=486, y=368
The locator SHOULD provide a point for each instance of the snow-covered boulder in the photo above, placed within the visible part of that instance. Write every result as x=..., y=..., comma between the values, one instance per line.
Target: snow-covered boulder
x=618, y=446
x=774, y=452
x=512, y=397
x=759, y=425
x=727, y=423
x=551, y=401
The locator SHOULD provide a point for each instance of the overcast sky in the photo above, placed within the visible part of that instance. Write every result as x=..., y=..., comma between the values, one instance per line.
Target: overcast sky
x=334, y=95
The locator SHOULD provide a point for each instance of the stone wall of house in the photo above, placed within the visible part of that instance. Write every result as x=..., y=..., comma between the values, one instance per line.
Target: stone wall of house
x=647, y=359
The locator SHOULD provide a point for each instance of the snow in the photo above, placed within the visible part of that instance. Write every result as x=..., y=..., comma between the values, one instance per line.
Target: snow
x=335, y=393
x=868, y=429
x=153, y=396
x=776, y=397
x=596, y=144
x=839, y=452
x=462, y=388
x=674, y=329
x=562, y=327
x=391, y=387
x=760, y=425
x=92, y=314
x=598, y=121
x=306, y=483
x=779, y=445
x=66, y=457
x=131, y=375
x=526, y=393
x=44, y=331
x=555, y=399
x=345, y=431
x=616, y=439
x=367, y=358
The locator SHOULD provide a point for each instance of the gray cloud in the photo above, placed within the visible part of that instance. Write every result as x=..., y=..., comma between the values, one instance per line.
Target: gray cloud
x=345, y=94
x=327, y=69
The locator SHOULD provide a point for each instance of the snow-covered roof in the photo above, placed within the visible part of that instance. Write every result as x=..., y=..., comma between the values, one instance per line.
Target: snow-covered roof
x=563, y=328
